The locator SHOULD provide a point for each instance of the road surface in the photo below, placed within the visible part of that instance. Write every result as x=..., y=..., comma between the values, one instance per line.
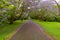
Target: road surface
x=30, y=31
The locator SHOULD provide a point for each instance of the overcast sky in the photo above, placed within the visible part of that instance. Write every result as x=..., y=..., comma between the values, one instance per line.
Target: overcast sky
x=56, y=0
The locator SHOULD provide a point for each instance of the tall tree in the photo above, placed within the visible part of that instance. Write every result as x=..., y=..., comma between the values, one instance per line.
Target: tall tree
x=57, y=5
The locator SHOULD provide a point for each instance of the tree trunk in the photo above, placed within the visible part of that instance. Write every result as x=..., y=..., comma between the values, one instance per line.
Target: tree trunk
x=58, y=7
x=11, y=20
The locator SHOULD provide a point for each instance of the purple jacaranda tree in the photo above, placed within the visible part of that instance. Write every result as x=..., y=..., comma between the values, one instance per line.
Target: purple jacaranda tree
x=49, y=6
x=28, y=5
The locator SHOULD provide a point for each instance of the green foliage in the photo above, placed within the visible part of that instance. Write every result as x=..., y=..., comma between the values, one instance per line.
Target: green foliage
x=58, y=18
x=34, y=14
x=7, y=9
x=50, y=19
x=44, y=15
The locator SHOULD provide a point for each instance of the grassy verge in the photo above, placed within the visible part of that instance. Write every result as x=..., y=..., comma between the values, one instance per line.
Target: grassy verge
x=52, y=28
x=7, y=30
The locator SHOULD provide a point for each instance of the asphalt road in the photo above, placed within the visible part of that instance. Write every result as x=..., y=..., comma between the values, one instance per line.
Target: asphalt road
x=30, y=31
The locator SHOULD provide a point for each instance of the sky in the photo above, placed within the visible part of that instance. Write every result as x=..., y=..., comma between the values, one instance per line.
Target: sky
x=56, y=0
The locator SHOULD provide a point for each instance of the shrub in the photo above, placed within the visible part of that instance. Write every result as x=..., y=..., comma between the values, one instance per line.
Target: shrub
x=58, y=18
x=50, y=19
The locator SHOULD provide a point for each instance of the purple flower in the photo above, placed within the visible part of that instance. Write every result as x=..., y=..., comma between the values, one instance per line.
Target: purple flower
x=29, y=0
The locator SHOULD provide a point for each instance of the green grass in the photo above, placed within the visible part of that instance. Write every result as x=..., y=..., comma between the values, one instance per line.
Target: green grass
x=7, y=30
x=52, y=28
